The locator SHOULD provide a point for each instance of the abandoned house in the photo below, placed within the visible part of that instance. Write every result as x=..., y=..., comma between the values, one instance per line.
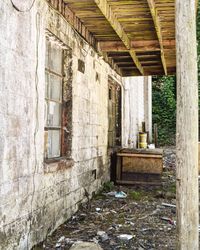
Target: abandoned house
x=75, y=84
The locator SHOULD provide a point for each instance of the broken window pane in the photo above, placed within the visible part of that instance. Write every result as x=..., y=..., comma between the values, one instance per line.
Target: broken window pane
x=54, y=114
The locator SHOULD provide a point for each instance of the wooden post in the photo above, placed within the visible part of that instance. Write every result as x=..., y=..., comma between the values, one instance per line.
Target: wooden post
x=143, y=127
x=187, y=127
x=155, y=130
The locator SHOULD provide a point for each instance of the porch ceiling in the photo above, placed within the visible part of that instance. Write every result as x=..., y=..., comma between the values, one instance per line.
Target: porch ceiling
x=137, y=37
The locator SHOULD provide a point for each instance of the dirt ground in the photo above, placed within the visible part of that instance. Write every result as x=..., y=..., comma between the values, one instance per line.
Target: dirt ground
x=148, y=222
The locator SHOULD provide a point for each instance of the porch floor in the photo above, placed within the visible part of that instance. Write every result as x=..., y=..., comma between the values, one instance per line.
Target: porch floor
x=139, y=215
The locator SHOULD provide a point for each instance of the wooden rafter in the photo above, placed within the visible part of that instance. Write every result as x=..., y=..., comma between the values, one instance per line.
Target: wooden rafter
x=109, y=15
x=156, y=21
x=145, y=45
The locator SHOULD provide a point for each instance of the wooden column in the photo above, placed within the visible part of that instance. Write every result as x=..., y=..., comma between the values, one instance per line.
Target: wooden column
x=187, y=127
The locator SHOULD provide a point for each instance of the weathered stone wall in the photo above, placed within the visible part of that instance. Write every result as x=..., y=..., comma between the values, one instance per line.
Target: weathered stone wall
x=137, y=108
x=36, y=197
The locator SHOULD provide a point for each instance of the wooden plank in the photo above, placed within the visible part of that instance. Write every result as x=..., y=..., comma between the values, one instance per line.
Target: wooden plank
x=139, y=155
x=124, y=182
x=187, y=186
x=109, y=15
x=156, y=151
x=119, y=169
x=150, y=165
x=149, y=45
x=157, y=24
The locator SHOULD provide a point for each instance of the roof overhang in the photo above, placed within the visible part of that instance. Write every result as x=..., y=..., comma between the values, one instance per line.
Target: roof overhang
x=136, y=37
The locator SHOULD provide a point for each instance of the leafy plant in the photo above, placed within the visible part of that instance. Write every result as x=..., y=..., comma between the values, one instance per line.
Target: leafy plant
x=108, y=186
x=135, y=195
x=164, y=100
x=164, y=108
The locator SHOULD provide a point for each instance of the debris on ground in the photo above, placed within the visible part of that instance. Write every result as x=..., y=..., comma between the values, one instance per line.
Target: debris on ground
x=168, y=205
x=103, y=236
x=144, y=219
x=120, y=194
x=125, y=237
x=86, y=246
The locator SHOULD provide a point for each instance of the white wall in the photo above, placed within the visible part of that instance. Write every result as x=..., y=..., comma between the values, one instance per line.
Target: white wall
x=35, y=198
x=148, y=105
x=137, y=108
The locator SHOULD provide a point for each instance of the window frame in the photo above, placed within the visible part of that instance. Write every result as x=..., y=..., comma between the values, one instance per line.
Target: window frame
x=48, y=99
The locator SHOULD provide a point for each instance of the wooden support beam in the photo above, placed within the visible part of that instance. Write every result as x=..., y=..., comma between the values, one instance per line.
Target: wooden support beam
x=109, y=15
x=156, y=21
x=187, y=127
x=151, y=45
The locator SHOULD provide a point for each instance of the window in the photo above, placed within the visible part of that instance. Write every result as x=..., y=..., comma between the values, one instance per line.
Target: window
x=53, y=100
x=114, y=114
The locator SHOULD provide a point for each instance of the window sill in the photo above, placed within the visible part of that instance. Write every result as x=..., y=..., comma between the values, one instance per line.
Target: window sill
x=57, y=164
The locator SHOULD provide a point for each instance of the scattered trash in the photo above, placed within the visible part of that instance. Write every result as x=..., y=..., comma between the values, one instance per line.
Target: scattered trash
x=130, y=223
x=145, y=229
x=125, y=237
x=58, y=245
x=61, y=239
x=120, y=194
x=172, y=222
x=110, y=193
x=103, y=235
x=151, y=146
x=113, y=211
x=107, y=219
x=168, y=205
x=151, y=214
x=69, y=241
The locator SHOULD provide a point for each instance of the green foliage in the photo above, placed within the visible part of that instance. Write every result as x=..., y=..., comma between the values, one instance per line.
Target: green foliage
x=164, y=100
x=135, y=195
x=164, y=108
x=108, y=186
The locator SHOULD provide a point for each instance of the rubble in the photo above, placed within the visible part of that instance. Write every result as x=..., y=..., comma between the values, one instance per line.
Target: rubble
x=103, y=235
x=168, y=205
x=130, y=224
x=85, y=246
x=125, y=237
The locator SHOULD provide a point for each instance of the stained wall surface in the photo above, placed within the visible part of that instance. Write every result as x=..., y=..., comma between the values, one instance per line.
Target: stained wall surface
x=37, y=196
x=137, y=108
